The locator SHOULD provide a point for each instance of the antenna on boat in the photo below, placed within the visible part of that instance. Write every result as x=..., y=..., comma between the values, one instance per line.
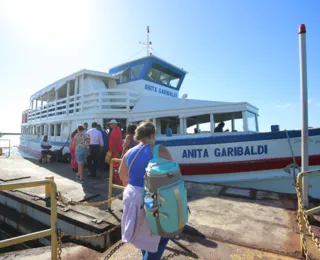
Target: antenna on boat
x=148, y=45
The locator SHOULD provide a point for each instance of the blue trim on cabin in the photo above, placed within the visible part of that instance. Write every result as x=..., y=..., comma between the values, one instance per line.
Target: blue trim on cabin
x=147, y=62
x=217, y=139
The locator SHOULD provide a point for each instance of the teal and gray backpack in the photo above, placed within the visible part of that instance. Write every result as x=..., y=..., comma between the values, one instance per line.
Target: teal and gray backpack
x=163, y=180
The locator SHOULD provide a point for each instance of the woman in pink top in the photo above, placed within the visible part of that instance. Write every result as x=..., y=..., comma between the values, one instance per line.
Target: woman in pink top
x=81, y=142
x=72, y=149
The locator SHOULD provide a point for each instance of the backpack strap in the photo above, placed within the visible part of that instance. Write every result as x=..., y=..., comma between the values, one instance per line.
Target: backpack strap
x=156, y=151
x=135, y=158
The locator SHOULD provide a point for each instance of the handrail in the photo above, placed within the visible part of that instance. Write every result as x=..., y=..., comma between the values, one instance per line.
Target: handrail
x=111, y=185
x=53, y=220
x=7, y=147
x=304, y=213
x=111, y=96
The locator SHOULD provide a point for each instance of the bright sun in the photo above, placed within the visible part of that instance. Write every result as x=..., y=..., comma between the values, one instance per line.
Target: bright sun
x=47, y=22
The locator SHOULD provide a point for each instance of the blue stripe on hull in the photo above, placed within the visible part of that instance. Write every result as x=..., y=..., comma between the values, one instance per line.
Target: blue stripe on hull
x=237, y=138
x=216, y=139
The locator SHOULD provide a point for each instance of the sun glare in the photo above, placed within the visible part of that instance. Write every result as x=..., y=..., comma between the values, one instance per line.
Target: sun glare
x=47, y=22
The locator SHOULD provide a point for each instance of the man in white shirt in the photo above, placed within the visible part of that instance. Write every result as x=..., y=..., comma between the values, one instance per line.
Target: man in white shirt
x=45, y=146
x=96, y=145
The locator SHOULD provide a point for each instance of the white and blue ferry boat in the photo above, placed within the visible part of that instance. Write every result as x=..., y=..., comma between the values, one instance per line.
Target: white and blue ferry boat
x=149, y=88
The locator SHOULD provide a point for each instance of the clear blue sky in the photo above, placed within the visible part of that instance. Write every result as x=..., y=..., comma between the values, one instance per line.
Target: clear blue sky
x=233, y=50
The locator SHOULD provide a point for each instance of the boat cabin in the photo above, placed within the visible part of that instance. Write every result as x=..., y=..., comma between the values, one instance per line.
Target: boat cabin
x=186, y=117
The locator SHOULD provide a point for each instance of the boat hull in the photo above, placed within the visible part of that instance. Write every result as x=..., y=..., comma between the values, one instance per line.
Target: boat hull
x=225, y=154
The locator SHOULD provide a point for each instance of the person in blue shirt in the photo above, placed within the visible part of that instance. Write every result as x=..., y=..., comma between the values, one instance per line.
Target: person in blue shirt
x=103, y=165
x=168, y=131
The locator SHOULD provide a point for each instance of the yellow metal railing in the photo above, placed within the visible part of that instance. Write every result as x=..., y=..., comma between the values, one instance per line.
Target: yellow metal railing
x=304, y=213
x=111, y=185
x=5, y=146
x=44, y=233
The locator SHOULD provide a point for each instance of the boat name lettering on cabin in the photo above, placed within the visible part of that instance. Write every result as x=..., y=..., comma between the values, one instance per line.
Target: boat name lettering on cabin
x=240, y=151
x=160, y=90
x=195, y=153
x=226, y=152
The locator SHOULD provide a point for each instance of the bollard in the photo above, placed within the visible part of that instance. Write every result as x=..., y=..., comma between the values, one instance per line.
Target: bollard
x=48, y=191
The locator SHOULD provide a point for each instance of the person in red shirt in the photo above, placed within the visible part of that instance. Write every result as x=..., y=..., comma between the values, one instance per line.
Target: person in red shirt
x=115, y=140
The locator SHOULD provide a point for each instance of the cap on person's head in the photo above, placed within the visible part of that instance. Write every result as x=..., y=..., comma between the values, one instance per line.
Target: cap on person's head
x=113, y=121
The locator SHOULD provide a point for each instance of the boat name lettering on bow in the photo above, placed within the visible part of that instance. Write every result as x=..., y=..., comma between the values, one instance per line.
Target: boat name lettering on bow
x=241, y=151
x=160, y=90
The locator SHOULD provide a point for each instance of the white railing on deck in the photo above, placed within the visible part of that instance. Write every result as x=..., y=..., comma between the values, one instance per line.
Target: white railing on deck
x=112, y=100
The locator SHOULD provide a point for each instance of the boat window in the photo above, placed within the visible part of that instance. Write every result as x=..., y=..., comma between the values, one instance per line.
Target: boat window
x=251, y=121
x=232, y=122
x=44, y=100
x=163, y=124
x=198, y=124
x=124, y=76
x=106, y=83
x=136, y=71
x=78, y=86
x=52, y=96
x=72, y=88
x=51, y=130
x=62, y=92
x=58, y=129
x=163, y=75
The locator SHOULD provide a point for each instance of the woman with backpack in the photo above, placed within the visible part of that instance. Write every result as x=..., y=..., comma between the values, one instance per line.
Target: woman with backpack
x=135, y=228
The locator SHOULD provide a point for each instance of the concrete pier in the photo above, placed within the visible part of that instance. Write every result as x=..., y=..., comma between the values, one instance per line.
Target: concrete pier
x=225, y=222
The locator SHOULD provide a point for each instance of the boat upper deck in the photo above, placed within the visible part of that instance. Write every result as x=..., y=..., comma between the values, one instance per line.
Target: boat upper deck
x=146, y=88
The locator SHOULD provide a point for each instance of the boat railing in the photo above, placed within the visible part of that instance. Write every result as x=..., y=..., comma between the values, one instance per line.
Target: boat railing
x=111, y=184
x=111, y=100
x=50, y=185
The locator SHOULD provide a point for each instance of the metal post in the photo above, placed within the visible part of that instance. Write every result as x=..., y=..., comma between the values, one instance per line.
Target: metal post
x=48, y=99
x=257, y=123
x=232, y=123
x=68, y=97
x=41, y=98
x=47, y=192
x=304, y=104
x=55, y=103
x=54, y=241
x=245, y=121
x=110, y=184
x=211, y=123
x=181, y=126
x=154, y=121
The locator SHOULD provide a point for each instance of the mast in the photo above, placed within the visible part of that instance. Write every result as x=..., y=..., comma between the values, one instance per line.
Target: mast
x=148, y=44
x=304, y=105
x=148, y=32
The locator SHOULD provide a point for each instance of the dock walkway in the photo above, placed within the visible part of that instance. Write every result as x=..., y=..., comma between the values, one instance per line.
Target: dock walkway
x=225, y=223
